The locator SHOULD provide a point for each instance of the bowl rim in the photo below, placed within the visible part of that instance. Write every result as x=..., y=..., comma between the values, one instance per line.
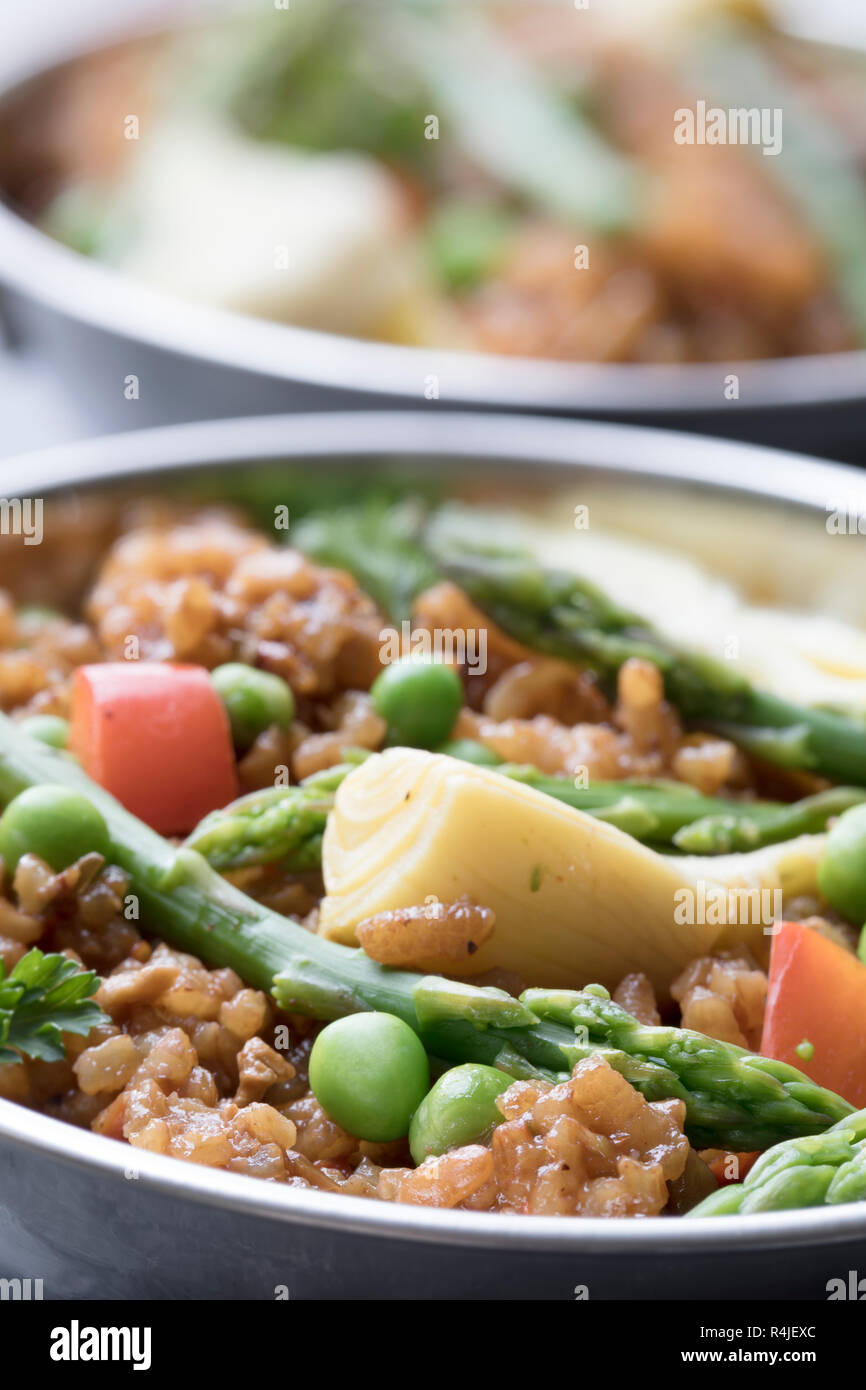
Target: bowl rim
x=42, y=269
x=560, y=447
x=353, y=436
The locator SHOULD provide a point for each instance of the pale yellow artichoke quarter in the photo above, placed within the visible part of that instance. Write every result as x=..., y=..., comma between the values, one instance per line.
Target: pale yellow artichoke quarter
x=576, y=899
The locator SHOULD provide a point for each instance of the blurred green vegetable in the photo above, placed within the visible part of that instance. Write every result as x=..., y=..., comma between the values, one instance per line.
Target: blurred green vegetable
x=468, y=750
x=376, y=540
x=466, y=239
x=842, y=871
x=48, y=728
x=512, y=124
x=558, y=612
x=254, y=701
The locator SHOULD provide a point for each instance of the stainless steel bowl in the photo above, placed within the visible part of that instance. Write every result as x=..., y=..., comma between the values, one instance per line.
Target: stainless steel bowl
x=96, y=1219
x=98, y=326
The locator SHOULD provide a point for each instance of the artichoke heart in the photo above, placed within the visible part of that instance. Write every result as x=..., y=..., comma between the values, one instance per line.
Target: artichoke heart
x=575, y=899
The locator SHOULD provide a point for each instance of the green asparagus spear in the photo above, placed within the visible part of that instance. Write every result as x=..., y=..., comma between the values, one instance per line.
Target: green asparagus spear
x=376, y=540
x=668, y=814
x=285, y=825
x=818, y=1170
x=277, y=825
x=514, y=127
x=723, y=1086
x=557, y=612
x=742, y=826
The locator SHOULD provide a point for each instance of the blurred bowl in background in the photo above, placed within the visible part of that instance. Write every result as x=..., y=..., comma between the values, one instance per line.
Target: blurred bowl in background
x=138, y=355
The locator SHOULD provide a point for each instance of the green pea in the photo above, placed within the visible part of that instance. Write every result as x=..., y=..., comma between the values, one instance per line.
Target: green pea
x=842, y=871
x=466, y=750
x=370, y=1073
x=32, y=616
x=47, y=728
x=253, y=699
x=466, y=239
x=53, y=822
x=79, y=217
x=419, y=701
x=460, y=1109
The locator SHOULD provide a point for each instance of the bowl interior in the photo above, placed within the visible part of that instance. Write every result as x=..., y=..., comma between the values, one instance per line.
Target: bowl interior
x=757, y=517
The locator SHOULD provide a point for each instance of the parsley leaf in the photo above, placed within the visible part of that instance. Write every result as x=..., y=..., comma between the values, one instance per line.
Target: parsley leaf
x=43, y=998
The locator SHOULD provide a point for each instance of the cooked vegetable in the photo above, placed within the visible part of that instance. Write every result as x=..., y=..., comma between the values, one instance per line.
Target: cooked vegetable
x=466, y=239
x=817, y=993
x=673, y=814
x=513, y=126
x=328, y=83
x=747, y=825
x=254, y=700
x=376, y=540
x=53, y=822
x=817, y=1170
x=370, y=1073
x=419, y=701
x=40, y=1000
x=468, y=750
x=819, y=173
x=559, y=613
x=277, y=825
x=157, y=737
x=82, y=215
x=48, y=728
x=739, y=1101
x=459, y=1109
x=842, y=874
x=662, y=1061
x=284, y=825
x=575, y=897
